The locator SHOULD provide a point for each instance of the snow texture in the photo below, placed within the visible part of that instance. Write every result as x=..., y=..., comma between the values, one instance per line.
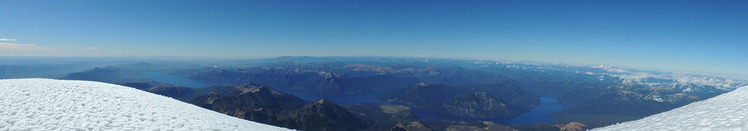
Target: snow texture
x=725, y=112
x=46, y=104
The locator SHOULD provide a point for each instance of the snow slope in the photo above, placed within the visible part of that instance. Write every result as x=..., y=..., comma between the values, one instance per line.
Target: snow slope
x=728, y=111
x=46, y=104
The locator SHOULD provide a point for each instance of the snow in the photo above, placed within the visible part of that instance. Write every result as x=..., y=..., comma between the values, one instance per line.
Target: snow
x=609, y=69
x=47, y=104
x=728, y=111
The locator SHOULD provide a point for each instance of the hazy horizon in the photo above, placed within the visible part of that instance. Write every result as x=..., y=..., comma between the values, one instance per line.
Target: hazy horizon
x=120, y=59
x=700, y=36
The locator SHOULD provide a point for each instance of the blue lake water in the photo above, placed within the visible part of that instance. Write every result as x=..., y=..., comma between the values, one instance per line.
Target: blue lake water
x=548, y=105
x=172, y=79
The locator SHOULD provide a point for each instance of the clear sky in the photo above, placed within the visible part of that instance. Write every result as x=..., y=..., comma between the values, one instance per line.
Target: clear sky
x=705, y=35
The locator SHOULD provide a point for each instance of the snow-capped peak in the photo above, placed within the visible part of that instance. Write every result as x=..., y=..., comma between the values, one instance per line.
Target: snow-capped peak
x=46, y=104
x=609, y=68
x=728, y=111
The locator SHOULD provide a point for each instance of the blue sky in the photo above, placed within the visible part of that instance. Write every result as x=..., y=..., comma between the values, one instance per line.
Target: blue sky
x=708, y=35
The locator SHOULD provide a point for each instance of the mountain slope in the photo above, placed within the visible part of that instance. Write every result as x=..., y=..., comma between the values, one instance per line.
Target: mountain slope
x=46, y=104
x=723, y=112
x=491, y=100
x=266, y=105
x=324, y=115
x=476, y=105
x=252, y=102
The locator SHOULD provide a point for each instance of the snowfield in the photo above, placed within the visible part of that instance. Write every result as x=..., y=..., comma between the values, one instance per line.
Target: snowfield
x=728, y=111
x=46, y=104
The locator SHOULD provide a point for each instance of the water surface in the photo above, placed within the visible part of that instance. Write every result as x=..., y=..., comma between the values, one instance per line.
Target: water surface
x=548, y=105
x=173, y=79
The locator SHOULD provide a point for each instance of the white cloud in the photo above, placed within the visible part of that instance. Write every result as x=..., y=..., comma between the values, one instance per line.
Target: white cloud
x=90, y=48
x=15, y=49
x=18, y=47
x=7, y=39
x=9, y=48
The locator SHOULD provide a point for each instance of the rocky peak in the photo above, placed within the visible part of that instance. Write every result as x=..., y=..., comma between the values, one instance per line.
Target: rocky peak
x=323, y=114
x=573, y=126
x=329, y=75
x=324, y=101
x=412, y=126
x=423, y=84
x=480, y=126
x=256, y=89
x=481, y=95
x=397, y=127
x=418, y=126
x=248, y=85
x=247, y=97
x=209, y=98
x=321, y=105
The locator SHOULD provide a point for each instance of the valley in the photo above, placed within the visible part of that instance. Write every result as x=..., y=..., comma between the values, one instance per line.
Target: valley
x=422, y=93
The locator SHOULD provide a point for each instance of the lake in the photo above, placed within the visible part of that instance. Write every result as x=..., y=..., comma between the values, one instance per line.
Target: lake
x=172, y=79
x=548, y=105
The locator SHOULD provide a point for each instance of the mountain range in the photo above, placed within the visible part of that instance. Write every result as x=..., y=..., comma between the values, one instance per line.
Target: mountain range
x=373, y=93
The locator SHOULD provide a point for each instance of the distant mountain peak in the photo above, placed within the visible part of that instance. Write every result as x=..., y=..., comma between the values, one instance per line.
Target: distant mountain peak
x=324, y=113
x=572, y=126
x=609, y=68
x=602, y=66
x=481, y=94
x=423, y=84
x=249, y=84
x=329, y=75
x=324, y=101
